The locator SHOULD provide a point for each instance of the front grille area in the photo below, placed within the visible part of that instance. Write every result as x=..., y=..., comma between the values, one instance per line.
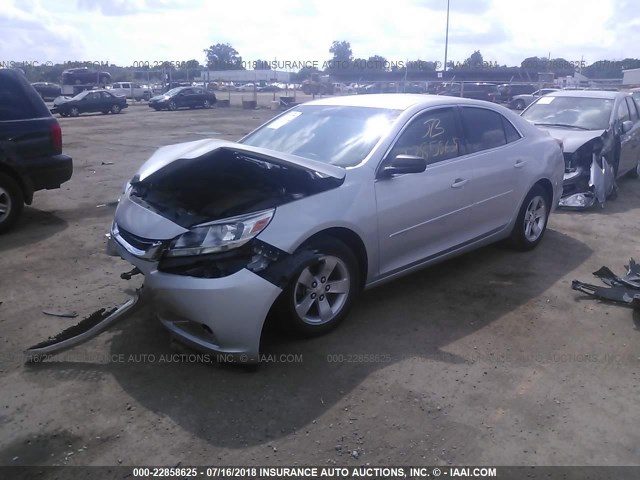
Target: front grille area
x=135, y=241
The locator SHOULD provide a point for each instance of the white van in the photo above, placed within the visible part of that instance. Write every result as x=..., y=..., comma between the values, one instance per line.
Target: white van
x=131, y=90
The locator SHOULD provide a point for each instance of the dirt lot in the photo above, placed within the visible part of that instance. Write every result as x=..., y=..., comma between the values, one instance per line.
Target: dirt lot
x=488, y=359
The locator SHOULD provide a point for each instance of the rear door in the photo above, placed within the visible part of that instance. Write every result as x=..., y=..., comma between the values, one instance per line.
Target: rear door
x=499, y=168
x=422, y=215
x=634, y=134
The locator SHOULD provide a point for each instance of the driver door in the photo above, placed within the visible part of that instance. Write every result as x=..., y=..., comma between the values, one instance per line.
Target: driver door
x=423, y=215
x=90, y=102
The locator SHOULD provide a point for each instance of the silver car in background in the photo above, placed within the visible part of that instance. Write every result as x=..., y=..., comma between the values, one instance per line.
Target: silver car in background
x=600, y=133
x=520, y=102
x=330, y=197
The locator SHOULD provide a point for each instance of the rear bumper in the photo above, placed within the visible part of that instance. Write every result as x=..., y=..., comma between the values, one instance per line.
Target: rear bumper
x=49, y=172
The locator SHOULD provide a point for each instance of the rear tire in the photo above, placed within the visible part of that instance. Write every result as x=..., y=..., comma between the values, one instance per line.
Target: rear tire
x=635, y=173
x=320, y=294
x=532, y=219
x=11, y=202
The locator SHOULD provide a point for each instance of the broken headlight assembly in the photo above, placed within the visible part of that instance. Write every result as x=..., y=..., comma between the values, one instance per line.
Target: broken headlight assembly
x=578, y=162
x=220, y=236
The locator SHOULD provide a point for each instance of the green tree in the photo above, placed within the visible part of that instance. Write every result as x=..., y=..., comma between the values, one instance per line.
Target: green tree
x=475, y=60
x=222, y=56
x=341, y=51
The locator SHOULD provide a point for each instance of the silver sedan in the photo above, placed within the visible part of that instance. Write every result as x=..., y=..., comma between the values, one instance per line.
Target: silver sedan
x=329, y=198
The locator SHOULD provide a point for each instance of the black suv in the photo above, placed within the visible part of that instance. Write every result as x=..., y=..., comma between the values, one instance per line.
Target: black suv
x=30, y=147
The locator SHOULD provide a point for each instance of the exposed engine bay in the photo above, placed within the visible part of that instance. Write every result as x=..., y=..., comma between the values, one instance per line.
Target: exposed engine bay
x=590, y=174
x=224, y=183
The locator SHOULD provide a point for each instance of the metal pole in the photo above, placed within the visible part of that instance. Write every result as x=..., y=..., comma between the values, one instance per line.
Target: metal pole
x=446, y=40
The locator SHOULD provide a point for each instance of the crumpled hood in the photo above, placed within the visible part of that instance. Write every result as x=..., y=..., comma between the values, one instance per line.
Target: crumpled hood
x=190, y=150
x=572, y=139
x=60, y=100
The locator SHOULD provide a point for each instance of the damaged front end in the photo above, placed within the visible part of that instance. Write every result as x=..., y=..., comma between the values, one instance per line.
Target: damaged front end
x=589, y=176
x=191, y=225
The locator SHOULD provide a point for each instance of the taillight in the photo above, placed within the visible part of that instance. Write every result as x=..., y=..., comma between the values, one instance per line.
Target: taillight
x=56, y=137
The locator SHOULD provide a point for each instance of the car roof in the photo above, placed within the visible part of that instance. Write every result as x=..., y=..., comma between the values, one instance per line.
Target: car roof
x=586, y=94
x=396, y=101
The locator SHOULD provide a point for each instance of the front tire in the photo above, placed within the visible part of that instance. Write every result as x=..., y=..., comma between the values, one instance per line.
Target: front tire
x=320, y=293
x=172, y=106
x=11, y=202
x=206, y=104
x=74, y=112
x=519, y=105
x=115, y=109
x=532, y=220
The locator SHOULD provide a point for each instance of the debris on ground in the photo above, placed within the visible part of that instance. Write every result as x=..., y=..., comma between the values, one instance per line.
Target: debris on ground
x=624, y=289
x=86, y=329
x=55, y=313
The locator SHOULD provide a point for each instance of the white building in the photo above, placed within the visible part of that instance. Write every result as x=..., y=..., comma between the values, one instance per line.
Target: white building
x=631, y=77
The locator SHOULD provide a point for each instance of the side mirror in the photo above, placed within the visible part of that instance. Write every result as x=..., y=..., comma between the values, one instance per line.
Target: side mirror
x=626, y=126
x=402, y=164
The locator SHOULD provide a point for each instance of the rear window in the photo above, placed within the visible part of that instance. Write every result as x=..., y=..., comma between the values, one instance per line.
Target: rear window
x=15, y=103
x=483, y=129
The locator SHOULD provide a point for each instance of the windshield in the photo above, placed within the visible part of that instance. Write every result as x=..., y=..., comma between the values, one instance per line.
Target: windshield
x=339, y=135
x=173, y=91
x=579, y=112
x=82, y=94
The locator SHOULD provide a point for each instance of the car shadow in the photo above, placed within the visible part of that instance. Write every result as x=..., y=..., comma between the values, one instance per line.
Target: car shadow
x=416, y=316
x=34, y=226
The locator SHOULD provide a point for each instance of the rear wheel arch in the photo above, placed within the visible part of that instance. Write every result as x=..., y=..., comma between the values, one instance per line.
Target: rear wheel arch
x=23, y=183
x=546, y=184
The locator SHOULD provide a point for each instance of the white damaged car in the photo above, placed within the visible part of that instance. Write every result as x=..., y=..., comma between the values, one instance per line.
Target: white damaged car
x=329, y=198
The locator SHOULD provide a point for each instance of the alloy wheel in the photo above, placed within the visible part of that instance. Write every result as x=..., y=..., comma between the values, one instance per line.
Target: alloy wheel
x=322, y=290
x=5, y=204
x=535, y=218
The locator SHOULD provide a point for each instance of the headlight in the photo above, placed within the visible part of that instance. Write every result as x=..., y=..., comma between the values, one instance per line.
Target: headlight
x=221, y=235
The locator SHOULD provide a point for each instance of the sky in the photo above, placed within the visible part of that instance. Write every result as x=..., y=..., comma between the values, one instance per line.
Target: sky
x=122, y=32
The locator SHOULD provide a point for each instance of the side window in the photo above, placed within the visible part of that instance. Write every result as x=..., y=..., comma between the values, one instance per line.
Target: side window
x=623, y=111
x=482, y=129
x=632, y=108
x=13, y=103
x=105, y=94
x=432, y=135
x=509, y=130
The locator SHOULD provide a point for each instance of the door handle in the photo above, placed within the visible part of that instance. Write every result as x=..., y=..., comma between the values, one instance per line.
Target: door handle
x=459, y=183
x=520, y=163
